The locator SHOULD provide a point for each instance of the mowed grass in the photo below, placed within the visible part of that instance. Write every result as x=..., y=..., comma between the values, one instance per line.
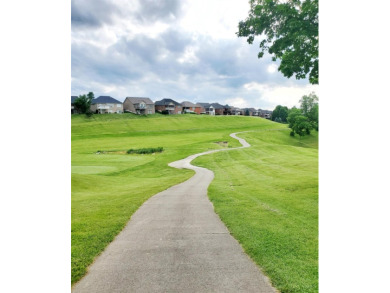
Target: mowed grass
x=107, y=188
x=267, y=195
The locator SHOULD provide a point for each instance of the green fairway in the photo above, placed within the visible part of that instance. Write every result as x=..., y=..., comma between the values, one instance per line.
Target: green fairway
x=267, y=195
x=109, y=185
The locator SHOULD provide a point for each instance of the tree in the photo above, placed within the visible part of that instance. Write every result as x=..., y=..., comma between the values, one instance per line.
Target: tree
x=292, y=115
x=301, y=125
x=280, y=112
x=289, y=32
x=309, y=107
x=83, y=103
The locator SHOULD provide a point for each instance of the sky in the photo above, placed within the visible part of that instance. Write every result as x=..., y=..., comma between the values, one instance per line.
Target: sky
x=185, y=50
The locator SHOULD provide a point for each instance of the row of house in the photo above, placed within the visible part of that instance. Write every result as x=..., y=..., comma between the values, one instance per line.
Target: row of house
x=143, y=106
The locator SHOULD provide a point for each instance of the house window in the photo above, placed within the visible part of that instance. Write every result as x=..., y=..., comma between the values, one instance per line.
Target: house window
x=119, y=105
x=150, y=112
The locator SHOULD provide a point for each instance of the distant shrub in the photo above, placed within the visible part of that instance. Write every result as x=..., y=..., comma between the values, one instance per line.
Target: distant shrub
x=145, y=150
x=292, y=133
x=165, y=112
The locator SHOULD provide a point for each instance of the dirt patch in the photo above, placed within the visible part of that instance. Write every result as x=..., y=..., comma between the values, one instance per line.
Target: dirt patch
x=222, y=143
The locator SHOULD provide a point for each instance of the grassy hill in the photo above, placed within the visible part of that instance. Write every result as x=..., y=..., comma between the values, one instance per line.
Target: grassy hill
x=267, y=195
x=109, y=185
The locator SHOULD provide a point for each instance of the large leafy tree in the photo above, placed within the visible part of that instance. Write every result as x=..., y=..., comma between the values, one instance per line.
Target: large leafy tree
x=303, y=120
x=83, y=103
x=293, y=113
x=309, y=107
x=289, y=32
x=301, y=125
x=280, y=112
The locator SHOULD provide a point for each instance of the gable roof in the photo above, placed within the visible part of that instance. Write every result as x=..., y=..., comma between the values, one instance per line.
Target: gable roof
x=204, y=105
x=164, y=102
x=135, y=100
x=188, y=104
x=73, y=98
x=105, y=100
x=217, y=106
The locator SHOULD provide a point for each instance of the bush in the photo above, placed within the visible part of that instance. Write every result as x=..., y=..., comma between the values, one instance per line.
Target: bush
x=145, y=150
x=165, y=112
x=292, y=133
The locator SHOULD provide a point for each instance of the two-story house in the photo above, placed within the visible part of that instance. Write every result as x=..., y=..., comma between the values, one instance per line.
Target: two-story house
x=265, y=114
x=218, y=108
x=139, y=106
x=106, y=104
x=208, y=108
x=236, y=111
x=189, y=107
x=169, y=105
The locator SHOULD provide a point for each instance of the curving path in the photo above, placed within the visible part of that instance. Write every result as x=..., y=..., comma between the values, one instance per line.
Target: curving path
x=176, y=243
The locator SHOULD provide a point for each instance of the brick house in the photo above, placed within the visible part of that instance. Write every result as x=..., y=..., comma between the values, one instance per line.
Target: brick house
x=139, y=106
x=227, y=110
x=249, y=111
x=256, y=113
x=106, y=104
x=208, y=108
x=189, y=107
x=265, y=114
x=236, y=111
x=169, y=105
x=218, y=108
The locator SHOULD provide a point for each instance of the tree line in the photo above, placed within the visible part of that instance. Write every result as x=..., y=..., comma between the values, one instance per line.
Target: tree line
x=301, y=120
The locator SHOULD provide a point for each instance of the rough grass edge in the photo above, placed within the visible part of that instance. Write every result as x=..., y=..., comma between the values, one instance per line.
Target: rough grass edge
x=145, y=150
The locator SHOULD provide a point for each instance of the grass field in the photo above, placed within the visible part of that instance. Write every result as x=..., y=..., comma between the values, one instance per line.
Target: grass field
x=267, y=194
x=107, y=188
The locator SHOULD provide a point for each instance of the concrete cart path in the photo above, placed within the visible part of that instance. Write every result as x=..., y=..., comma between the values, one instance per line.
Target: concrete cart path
x=176, y=243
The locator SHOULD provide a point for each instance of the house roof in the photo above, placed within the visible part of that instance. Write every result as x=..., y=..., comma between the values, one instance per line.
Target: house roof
x=105, y=100
x=188, y=104
x=164, y=102
x=73, y=98
x=204, y=105
x=135, y=100
x=217, y=106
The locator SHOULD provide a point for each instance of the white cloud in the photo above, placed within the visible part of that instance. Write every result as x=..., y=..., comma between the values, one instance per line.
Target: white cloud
x=272, y=68
x=163, y=48
x=189, y=56
x=274, y=95
x=217, y=18
x=238, y=102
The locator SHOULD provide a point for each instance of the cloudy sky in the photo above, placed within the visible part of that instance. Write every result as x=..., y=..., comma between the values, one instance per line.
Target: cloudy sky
x=186, y=50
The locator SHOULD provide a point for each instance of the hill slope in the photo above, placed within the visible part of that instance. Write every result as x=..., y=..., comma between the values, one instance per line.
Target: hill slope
x=108, y=186
x=267, y=195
